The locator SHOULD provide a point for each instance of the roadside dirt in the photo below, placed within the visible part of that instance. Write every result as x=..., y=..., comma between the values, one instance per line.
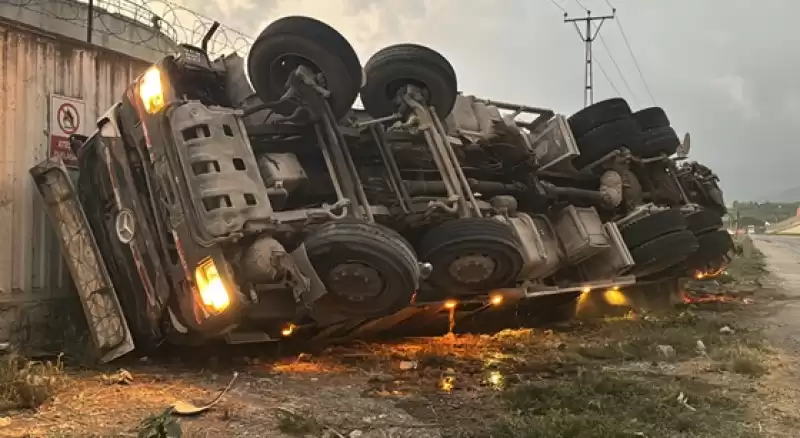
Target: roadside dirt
x=704, y=370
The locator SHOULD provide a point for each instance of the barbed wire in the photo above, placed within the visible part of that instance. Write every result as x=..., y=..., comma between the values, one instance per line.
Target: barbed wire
x=155, y=24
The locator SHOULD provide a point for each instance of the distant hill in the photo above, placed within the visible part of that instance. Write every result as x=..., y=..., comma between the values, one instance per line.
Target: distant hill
x=788, y=195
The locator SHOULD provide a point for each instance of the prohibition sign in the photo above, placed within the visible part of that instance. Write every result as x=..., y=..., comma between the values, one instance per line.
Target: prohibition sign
x=69, y=120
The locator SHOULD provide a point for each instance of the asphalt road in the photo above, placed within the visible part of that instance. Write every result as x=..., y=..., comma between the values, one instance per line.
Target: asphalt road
x=783, y=258
x=782, y=255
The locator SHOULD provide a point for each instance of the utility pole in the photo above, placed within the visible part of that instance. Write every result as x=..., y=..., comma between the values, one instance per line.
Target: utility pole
x=588, y=38
x=90, y=22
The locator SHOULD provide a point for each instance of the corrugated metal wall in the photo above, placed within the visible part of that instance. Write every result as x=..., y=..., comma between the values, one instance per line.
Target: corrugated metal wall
x=32, y=67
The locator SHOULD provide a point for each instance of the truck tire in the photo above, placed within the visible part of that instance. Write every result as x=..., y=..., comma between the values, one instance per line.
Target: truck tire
x=598, y=114
x=295, y=40
x=663, y=253
x=647, y=228
x=394, y=67
x=702, y=221
x=658, y=141
x=352, y=257
x=713, y=245
x=487, y=249
x=651, y=118
x=606, y=138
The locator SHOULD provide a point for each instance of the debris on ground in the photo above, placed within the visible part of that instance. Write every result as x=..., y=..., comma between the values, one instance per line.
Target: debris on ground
x=121, y=377
x=407, y=365
x=683, y=400
x=186, y=408
x=666, y=351
x=700, y=347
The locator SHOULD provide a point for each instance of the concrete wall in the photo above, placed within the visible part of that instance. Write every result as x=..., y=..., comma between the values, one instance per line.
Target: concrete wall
x=39, y=56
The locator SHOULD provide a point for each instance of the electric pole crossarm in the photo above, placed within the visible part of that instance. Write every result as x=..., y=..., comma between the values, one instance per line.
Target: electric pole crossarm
x=589, y=17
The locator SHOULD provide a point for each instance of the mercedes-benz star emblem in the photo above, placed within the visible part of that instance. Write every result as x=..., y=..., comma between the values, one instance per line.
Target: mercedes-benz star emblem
x=125, y=226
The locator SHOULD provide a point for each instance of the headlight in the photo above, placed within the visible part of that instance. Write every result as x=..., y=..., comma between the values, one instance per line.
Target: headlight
x=212, y=290
x=151, y=92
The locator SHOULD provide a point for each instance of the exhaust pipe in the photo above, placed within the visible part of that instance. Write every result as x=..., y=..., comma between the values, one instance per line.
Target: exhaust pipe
x=207, y=37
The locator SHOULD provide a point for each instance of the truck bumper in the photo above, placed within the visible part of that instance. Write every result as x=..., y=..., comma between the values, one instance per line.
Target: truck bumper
x=107, y=324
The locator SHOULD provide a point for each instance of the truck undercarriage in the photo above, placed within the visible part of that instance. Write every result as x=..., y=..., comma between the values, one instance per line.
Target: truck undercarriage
x=208, y=209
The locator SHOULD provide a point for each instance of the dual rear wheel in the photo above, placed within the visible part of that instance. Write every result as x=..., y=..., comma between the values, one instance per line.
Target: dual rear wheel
x=609, y=125
x=370, y=270
x=296, y=41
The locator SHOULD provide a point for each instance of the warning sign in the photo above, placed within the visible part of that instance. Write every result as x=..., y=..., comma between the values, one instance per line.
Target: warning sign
x=67, y=116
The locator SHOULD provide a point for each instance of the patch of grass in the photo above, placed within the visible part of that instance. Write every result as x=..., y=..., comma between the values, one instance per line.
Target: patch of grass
x=163, y=425
x=742, y=360
x=298, y=425
x=748, y=365
x=750, y=266
x=639, y=340
x=27, y=384
x=595, y=405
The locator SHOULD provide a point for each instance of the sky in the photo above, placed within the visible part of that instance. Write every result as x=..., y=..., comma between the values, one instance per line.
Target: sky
x=727, y=71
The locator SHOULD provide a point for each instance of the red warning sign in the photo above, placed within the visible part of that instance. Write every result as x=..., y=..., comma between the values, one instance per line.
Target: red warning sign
x=59, y=146
x=66, y=118
x=69, y=119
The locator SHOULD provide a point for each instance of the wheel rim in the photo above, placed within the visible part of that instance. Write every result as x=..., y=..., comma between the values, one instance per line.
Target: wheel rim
x=394, y=87
x=284, y=65
x=472, y=268
x=368, y=271
x=355, y=281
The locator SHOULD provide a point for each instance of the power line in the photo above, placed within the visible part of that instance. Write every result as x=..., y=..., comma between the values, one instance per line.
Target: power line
x=610, y=82
x=635, y=62
x=556, y=4
x=622, y=76
x=581, y=5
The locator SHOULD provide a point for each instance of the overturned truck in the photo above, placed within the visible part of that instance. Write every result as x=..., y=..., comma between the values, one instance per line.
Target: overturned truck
x=207, y=208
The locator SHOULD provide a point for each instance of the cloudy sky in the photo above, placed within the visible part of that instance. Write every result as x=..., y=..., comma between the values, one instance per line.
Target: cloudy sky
x=726, y=71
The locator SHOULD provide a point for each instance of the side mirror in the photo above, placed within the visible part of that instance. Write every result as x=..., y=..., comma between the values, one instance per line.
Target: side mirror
x=683, y=149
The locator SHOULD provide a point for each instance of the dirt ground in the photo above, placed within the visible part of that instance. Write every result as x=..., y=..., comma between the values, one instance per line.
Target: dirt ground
x=723, y=364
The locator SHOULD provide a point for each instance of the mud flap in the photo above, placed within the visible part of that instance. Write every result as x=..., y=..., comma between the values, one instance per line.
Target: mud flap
x=107, y=325
x=316, y=289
